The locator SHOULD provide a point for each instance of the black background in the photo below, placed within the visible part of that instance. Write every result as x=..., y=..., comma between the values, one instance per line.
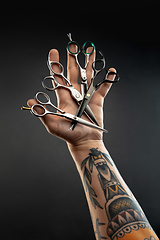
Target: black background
x=41, y=196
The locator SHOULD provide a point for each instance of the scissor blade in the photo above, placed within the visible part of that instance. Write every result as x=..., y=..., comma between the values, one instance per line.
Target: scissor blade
x=79, y=98
x=84, y=122
x=82, y=107
x=84, y=104
x=80, y=112
x=83, y=88
x=90, y=115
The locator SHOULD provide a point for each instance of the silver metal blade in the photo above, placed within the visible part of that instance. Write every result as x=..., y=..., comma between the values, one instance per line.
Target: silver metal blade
x=84, y=122
x=90, y=115
x=84, y=103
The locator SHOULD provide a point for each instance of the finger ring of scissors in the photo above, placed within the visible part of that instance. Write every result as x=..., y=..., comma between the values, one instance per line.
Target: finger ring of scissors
x=93, y=88
x=83, y=74
x=62, y=113
x=74, y=92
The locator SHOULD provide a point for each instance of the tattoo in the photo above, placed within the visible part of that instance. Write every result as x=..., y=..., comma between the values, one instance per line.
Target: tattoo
x=151, y=238
x=87, y=179
x=98, y=231
x=123, y=213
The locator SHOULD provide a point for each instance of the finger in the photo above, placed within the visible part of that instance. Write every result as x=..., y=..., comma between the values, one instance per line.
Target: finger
x=37, y=109
x=72, y=67
x=54, y=56
x=89, y=68
x=105, y=87
x=45, y=119
x=61, y=93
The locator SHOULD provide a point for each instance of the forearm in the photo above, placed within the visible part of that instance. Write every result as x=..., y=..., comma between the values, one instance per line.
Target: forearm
x=115, y=212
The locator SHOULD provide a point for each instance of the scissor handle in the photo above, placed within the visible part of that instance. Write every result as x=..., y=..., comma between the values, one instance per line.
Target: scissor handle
x=46, y=97
x=51, y=79
x=116, y=79
x=50, y=63
x=47, y=102
x=45, y=111
x=77, y=45
x=61, y=73
x=78, y=48
x=33, y=111
x=102, y=61
x=91, y=44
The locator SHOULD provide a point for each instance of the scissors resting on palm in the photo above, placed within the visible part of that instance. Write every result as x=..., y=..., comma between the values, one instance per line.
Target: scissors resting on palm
x=83, y=73
x=76, y=95
x=93, y=88
x=61, y=114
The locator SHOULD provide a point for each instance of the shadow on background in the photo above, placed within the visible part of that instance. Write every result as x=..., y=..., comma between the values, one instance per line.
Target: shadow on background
x=41, y=192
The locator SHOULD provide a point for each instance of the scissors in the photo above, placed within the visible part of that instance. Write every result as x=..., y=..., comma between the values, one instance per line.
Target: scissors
x=74, y=92
x=83, y=74
x=61, y=114
x=93, y=88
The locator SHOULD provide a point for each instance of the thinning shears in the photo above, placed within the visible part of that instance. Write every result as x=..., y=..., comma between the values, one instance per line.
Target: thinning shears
x=62, y=113
x=74, y=92
x=93, y=88
x=83, y=74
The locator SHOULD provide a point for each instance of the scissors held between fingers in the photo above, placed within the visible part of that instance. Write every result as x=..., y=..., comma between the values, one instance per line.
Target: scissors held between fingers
x=93, y=88
x=96, y=70
x=61, y=114
x=74, y=92
x=83, y=73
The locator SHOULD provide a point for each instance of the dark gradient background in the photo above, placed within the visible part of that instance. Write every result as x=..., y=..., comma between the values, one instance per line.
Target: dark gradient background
x=41, y=196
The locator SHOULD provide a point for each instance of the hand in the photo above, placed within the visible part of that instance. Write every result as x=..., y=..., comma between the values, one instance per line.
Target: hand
x=60, y=127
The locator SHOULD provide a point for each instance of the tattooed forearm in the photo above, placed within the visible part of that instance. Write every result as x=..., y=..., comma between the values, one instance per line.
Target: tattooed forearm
x=98, y=224
x=124, y=217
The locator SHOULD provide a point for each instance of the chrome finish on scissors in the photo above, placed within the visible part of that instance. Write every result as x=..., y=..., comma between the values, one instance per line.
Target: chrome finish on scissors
x=82, y=98
x=74, y=92
x=75, y=54
x=93, y=88
x=61, y=114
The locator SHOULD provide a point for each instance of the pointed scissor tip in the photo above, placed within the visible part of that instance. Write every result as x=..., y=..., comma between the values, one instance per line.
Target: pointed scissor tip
x=72, y=127
x=25, y=108
x=106, y=131
x=101, y=53
x=69, y=36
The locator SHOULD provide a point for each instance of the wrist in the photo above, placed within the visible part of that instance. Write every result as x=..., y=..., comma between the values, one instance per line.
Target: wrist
x=80, y=152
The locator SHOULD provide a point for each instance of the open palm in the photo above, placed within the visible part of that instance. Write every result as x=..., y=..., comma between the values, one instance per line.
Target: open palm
x=59, y=126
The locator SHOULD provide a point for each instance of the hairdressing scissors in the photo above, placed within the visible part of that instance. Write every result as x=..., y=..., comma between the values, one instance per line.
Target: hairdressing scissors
x=83, y=74
x=74, y=92
x=61, y=114
x=93, y=88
